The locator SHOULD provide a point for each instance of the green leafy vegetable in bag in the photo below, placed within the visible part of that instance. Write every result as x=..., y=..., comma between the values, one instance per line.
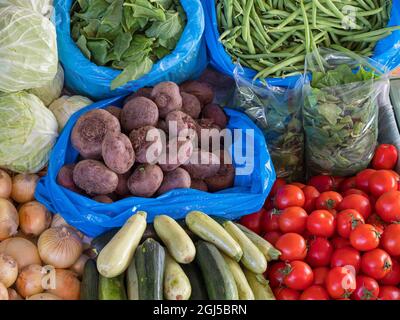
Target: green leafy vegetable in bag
x=28, y=131
x=128, y=35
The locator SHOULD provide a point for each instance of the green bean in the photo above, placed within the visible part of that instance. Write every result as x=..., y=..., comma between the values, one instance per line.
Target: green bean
x=266, y=55
x=323, y=9
x=278, y=43
x=353, y=55
x=368, y=13
x=373, y=38
x=314, y=14
x=228, y=9
x=260, y=27
x=306, y=27
x=261, y=6
x=292, y=17
x=277, y=67
x=246, y=22
x=366, y=35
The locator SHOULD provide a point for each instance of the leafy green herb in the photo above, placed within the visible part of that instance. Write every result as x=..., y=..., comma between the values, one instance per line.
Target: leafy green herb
x=129, y=35
x=340, y=120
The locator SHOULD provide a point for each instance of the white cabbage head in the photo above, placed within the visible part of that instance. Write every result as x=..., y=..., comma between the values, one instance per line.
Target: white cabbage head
x=44, y=7
x=51, y=90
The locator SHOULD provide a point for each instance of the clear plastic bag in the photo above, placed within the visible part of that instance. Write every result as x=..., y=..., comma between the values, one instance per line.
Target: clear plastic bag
x=340, y=112
x=277, y=112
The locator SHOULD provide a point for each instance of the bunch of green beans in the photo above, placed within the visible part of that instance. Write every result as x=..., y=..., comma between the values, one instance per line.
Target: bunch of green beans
x=273, y=37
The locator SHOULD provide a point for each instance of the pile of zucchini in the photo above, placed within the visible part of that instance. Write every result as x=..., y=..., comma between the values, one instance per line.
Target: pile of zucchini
x=200, y=258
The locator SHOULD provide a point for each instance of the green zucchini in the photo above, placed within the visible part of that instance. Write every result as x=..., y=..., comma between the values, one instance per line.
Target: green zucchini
x=90, y=281
x=252, y=258
x=244, y=290
x=218, y=278
x=112, y=288
x=132, y=283
x=199, y=291
x=211, y=231
x=150, y=265
x=101, y=241
x=115, y=257
x=177, y=241
x=176, y=283
x=263, y=245
x=259, y=285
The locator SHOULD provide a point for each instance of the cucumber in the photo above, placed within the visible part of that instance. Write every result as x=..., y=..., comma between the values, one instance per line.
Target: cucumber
x=252, y=258
x=101, y=241
x=263, y=245
x=112, y=288
x=177, y=241
x=244, y=290
x=218, y=278
x=132, y=283
x=150, y=264
x=259, y=285
x=199, y=291
x=209, y=230
x=176, y=283
x=90, y=281
x=115, y=257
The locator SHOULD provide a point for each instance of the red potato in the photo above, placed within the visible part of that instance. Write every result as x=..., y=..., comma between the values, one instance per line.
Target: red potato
x=118, y=153
x=122, y=187
x=167, y=97
x=191, y=105
x=89, y=131
x=202, y=165
x=181, y=125
x=216, y=113
x=147, y=144
x=115, y=111
x=176, y=179
x=175, y=154
x=225, y=177
x=139, y=112
x=145, y=180
x=65, y=178
x=208, y=134
x=202, y=90
x=142, y=92
x=94, y=177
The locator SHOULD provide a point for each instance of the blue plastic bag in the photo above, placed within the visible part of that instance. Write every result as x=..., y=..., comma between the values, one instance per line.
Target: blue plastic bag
x=84, y=77
x=93, y=218
x=385, y=50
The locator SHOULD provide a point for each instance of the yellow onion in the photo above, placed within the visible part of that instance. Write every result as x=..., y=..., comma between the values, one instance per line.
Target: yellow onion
x=3, y=292
x=60, y=247
x=23, y=187
x=34, y=218
x=29, y=281
x=13, y=295
x=79, y=265
x=9, y=220
x=44, y=296
x=67, y=285
x=22, y=250
x=5, y=184
x=58, y=221
x=8, y=270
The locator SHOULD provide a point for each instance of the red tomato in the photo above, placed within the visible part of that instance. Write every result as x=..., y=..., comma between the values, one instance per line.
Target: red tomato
x=320, y=275
x=362, y=179
x=346, y=221
x=289, y=196
x=388, y=206
x=377, y=222
x=269, y=220
x=272, y=237
x=322, y=183
x=279, y=182
x=354, y=191
x=391, y=239
x=315, y=292
x=346, y=257
x=385, y=157
x=337, y=181
x=321, y=223
x=389, y=293
x=366, y=289
x=319, y=253
x=282, y=293
x=298, y=275
x=393, y=277
x=310, y=195
x=275, y=274
x=328, y=200
x=339, y=242
x=356, y=202
x=293, y=219
x=292, y=246
x=252, y=221
x=298, y=184
x=376, y=264
x=365, y=237
x=340, y=282
x=346, y=184
x=382, y=181
x=268, y=204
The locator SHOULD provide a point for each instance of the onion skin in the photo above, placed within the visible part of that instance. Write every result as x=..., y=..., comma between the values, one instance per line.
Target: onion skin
x=58, y=221
x=3, y=292
x=5, y=185
x=79, y=265
x=60, y=247
x=34, y=218
x=9, y=220
x=29, y=281
x=8, y=270
x=13, y=295
x=67, y=285
x=23, y=187
x=44, y=296
x=22, y=250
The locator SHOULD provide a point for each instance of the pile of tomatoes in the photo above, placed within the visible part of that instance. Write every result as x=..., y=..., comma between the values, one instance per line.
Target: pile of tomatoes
x=339, y=237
